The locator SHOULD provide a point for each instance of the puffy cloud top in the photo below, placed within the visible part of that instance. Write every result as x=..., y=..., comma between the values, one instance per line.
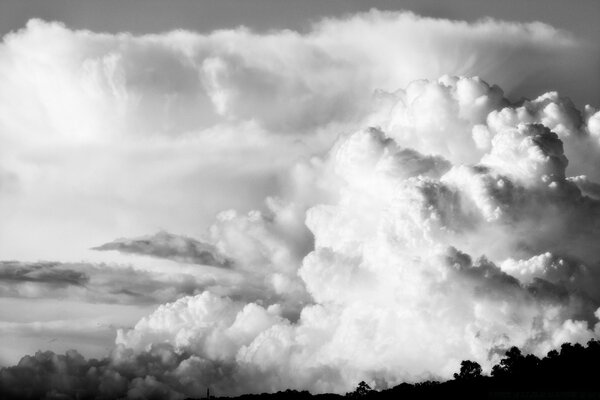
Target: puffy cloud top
x=420, y=258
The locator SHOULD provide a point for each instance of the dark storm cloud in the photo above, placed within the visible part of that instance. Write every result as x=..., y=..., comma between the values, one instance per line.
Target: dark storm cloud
x=171, y=247
x=71, y=376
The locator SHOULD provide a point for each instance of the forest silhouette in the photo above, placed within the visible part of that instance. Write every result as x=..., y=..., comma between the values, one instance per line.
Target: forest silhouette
x=571, y=373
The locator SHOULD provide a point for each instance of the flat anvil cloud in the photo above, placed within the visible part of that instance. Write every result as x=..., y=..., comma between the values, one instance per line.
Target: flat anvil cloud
x=385, y=235
x=121, y=135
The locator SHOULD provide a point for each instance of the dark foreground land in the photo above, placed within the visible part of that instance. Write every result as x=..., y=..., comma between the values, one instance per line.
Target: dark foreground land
x=571, y=373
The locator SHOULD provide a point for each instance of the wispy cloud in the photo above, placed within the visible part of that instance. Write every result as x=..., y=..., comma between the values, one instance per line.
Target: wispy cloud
x=96, y=282
x=171, y=247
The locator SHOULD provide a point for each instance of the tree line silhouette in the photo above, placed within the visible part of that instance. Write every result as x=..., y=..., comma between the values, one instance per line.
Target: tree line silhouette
x=571, y=373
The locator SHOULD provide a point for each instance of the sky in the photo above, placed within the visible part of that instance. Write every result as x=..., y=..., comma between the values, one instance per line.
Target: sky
x=152, y=16
x=254, y=196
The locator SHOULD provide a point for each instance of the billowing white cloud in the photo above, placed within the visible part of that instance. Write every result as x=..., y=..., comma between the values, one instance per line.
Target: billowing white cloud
x=420, y=260
x=122, y=135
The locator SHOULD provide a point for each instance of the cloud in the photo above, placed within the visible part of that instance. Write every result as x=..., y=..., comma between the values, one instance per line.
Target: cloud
x=122, y=134
x=380, y=235
x=47, y=374
x=457, y=259
x=169, y=246
x=96, y=282
x=126, y=285
x=41, y=272
x=181, y=81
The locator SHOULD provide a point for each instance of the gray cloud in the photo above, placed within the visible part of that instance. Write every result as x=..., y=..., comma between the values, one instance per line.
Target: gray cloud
x=50, y=273
x=70, y=375
x=171, y=247
x=96, y=282
x=124, y=284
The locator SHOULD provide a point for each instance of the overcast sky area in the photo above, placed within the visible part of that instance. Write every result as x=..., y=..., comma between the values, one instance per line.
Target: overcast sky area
x=260, y=195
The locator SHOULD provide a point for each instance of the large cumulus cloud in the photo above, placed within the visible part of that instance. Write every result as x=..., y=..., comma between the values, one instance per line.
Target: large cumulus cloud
x=421, y=260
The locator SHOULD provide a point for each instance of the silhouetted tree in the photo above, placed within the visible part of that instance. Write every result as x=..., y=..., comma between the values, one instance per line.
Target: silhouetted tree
x=362, y=389
x=508, y=364
x=468, y=370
